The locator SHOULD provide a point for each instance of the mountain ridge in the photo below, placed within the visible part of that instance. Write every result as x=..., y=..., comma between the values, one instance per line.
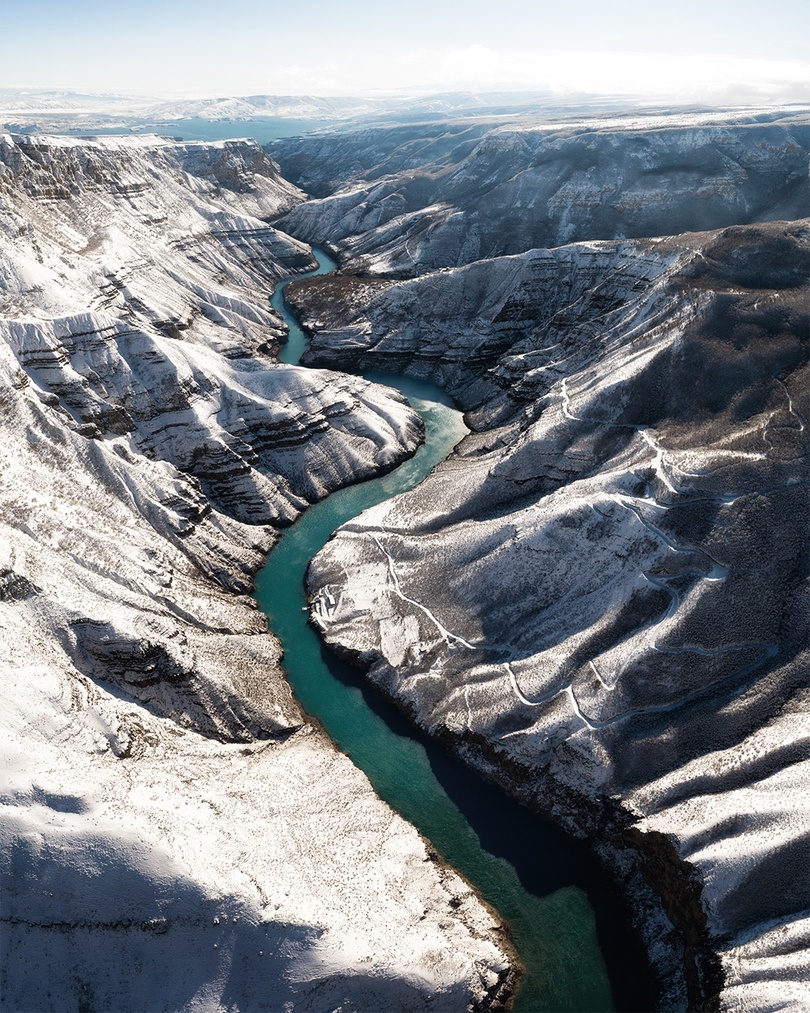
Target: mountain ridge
x=174, y=830
x=621, y=539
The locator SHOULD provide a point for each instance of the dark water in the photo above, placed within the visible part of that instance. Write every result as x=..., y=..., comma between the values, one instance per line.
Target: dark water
x=297, y=341
x=544, y=885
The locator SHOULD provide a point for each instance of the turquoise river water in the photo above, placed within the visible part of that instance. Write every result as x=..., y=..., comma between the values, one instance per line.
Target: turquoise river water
x=545, y=886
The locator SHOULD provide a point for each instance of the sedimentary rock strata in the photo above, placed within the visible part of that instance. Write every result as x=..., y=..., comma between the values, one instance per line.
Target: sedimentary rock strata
x=599, y=598
x=597, y=601
x=173, y=831
x=404, y=199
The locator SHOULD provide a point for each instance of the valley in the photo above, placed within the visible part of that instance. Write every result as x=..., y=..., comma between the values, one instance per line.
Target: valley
x=586, y=600
x=596, y=601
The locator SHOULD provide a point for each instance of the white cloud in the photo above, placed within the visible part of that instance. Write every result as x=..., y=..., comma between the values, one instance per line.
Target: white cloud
x=685, y=77
x=654, y=76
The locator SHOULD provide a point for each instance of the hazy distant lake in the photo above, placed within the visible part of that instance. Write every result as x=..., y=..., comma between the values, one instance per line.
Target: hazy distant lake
x=261, y=129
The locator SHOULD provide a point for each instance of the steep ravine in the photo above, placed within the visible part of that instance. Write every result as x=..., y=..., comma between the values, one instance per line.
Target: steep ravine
x=174, y=832
x=400, y=200
x=551, y=920
x=598, y=599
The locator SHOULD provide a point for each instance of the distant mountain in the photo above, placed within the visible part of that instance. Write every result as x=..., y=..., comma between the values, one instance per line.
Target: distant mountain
x=26, y=110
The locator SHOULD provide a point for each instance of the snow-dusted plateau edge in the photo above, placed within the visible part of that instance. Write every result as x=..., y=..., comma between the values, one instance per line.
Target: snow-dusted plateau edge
x=403, y=199
x=599, y=599
x=174, y=834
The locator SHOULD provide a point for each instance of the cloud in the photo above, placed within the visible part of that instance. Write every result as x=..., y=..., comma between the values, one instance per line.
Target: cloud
x=683, y=77
x=256, y=65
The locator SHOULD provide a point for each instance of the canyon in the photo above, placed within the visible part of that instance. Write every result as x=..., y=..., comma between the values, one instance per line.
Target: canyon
x=176, y=832
x=597, y=601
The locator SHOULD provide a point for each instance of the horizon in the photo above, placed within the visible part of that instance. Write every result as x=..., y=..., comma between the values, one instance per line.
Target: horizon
x=714, y=53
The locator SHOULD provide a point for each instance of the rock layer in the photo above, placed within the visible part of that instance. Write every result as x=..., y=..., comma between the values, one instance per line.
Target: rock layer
x=599, y=600
x=174, y=833
x=404, y=199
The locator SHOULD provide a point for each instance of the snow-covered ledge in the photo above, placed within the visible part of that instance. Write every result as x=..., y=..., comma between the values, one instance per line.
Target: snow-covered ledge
x=173, y=833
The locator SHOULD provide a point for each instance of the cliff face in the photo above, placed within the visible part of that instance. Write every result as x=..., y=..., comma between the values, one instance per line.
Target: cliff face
x=173, y=831
x=442, y=195
x=599, y=599
x=135, y=302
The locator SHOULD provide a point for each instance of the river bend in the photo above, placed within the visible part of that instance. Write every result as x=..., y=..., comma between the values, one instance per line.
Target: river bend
x=540, y=882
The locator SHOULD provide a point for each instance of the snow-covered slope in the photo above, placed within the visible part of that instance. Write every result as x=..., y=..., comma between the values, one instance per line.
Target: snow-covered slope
x=600, y=599
x=174, y=834
x=402, y=200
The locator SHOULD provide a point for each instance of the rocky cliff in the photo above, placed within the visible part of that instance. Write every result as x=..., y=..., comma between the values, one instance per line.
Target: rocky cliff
x=599, y=599
x=174, y=834
x=404, y=199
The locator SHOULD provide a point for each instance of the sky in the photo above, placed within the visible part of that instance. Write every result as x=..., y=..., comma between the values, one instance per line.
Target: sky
x=691, y=50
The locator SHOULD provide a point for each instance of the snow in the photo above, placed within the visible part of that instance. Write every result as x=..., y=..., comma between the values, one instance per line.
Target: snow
x=483, y=187
x=264, y=871
x=173, y=832
x=599, y=596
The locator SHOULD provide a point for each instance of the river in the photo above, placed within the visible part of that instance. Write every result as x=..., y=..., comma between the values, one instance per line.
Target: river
x=546, y=886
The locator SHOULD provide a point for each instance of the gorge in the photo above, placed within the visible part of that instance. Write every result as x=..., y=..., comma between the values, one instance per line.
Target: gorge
x=551, y=921
x=596, y=601
x=613, y=635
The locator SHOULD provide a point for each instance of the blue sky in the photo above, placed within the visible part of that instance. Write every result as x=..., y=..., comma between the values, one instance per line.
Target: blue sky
x=693, y=49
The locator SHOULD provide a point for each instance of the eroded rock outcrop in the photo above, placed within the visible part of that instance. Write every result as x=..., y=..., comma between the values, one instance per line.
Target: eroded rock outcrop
x=173, y=831
x=179, y=425
x=405, y=199
x=599, y=599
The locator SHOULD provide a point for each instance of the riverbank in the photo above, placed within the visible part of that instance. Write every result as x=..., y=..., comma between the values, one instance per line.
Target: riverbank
x=617, y=632
x=553, y=926
x=174, y=833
